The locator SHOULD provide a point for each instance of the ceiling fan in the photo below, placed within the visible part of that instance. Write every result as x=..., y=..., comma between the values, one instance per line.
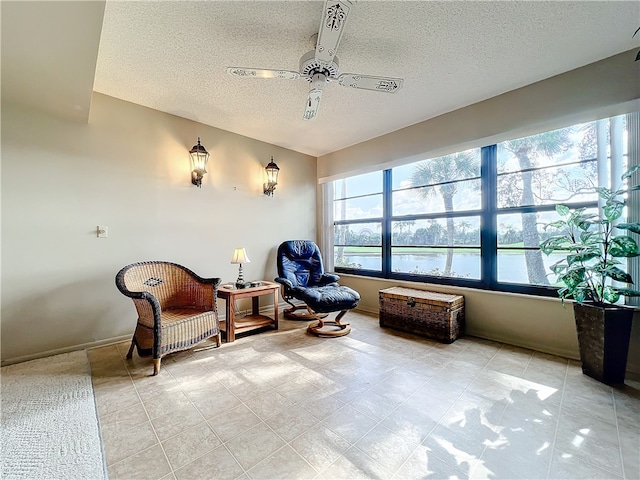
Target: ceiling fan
x=321, y=66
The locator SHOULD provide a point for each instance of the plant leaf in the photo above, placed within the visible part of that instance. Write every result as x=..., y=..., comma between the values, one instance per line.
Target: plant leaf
x=618, y=274
x=613, y=211
x=633, y=169
x=562, y=210
x=611, y=295
x=583, y=256
x=573, y=278
x=628, y=292
x=558, y=267
x=604, y=192
x=558, y=224
x=557, y=242
x=632, y=227
x=623, y=246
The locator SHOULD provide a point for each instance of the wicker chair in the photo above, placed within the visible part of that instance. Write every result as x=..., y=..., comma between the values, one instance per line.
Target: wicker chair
x=176, y=308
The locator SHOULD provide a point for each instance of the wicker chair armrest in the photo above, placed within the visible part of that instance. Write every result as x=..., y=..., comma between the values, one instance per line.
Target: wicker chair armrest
x=215, y=281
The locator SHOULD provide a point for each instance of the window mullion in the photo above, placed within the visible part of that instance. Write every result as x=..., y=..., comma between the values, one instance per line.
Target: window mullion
x=387, y=207
x=488, y=220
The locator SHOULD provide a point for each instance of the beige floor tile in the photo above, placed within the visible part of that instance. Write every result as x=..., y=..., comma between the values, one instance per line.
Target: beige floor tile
x=387, y=448
x=298, y=389
x=321, y=407
x=123, y=421
x=165, y=403
x=149, y=464
x=567, y=466
x=108, y=403
x=233, y=422
x=422, y=465
x=267, y=404
x=593, y=441
x=630, y=445
x=282, y=465
x=217, y=464
x=354, y=464
x=410, y=422
x=515, y=455
x=349, y=423
x=176, y=421
x=190, y=444
x=320, y=446
x=254, y=445
x=292, y=422
x=126, y=443
x=214, y=400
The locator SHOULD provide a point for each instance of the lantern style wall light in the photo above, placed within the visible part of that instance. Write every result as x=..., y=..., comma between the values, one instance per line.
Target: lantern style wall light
x=199, y=157
x=272, y=177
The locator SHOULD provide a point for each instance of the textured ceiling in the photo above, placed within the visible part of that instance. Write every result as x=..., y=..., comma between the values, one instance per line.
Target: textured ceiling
x=171, y=56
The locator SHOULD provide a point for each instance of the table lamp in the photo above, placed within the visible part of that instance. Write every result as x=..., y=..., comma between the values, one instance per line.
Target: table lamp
x=240, y=257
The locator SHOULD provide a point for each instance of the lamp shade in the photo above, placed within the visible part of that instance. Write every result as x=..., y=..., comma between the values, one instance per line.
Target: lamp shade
x=240, y=256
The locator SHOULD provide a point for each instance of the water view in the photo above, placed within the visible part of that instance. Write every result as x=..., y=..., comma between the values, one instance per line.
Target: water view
x=511, y=266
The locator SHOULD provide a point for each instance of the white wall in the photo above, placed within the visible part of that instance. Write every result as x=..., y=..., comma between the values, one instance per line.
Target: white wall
x=128, y=169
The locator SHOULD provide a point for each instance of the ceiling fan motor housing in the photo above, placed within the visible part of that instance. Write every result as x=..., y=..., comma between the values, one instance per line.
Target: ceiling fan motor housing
x=310, y=68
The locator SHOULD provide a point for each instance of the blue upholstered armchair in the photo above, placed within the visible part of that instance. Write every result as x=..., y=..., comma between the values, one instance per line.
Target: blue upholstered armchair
x=302, y=276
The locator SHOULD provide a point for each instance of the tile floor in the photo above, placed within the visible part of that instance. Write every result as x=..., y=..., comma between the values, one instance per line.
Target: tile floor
x=373, y=404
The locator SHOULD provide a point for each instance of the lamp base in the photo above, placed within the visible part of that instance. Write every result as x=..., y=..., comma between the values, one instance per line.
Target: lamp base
x=241, y=285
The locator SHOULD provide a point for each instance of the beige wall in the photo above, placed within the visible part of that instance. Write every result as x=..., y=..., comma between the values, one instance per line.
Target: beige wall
x=606, y=88
x=128, y=169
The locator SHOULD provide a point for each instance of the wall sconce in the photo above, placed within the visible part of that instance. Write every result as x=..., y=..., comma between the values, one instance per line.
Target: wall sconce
x=240, y=257
x=272, y=177
x=199, y=157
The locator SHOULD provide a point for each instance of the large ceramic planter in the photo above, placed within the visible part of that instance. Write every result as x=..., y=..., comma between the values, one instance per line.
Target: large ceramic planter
x=603, y=337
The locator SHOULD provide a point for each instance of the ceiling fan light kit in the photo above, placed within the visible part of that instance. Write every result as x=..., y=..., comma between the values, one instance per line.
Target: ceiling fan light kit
x=321, y=66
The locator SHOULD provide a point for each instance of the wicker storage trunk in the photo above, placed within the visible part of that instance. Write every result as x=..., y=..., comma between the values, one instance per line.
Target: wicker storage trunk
x=434, y=315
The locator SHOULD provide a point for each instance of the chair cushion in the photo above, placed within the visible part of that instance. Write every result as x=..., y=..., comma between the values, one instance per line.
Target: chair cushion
x=328, y=298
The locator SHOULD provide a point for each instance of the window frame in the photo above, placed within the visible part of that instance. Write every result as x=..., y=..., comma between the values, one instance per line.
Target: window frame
x=489, y=249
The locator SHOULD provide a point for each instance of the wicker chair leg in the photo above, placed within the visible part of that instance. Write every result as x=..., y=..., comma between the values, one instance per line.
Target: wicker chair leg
x=130, y=352
x=218, y=339
x=156, y=366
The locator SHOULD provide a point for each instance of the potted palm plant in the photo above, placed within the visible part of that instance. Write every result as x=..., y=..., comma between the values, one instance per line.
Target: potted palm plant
x=593, y=277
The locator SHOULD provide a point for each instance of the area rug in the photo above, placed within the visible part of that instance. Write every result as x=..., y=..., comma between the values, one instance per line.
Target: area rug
x=49, y=427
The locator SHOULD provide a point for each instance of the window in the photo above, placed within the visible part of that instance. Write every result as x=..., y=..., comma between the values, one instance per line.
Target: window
x=435, y=217
x=358, y=212
x=476, y=218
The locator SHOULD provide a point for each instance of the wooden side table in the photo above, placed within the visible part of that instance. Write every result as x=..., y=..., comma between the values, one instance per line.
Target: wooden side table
x=232, y=325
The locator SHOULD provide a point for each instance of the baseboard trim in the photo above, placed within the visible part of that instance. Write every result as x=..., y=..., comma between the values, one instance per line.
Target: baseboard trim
x=71, y=348
x=107, y=341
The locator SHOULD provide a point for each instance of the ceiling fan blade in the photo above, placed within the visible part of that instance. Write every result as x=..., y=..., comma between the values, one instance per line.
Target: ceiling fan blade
x=369, y=82
x=334, y=17
x=262, y=73
x=313, y=104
